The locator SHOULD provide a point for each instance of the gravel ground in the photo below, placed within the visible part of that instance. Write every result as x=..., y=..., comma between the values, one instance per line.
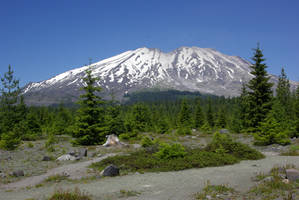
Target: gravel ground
x=167, y=185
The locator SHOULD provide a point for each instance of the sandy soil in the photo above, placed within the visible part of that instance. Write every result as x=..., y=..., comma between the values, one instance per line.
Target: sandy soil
x=167, y=185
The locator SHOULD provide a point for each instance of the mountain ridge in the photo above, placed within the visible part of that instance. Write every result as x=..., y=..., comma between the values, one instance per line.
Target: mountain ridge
x=186, y=69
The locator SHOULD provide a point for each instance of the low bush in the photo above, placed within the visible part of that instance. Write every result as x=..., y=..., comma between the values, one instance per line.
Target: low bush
x=69, y=195
x=9, y=141
x=172, y=157
x=223, y=143
x=183, y=131
x=146, y=142
x=167, y=151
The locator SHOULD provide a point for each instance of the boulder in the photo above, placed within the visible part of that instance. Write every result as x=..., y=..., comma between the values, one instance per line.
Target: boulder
x=110, y=170
x=2, y=175
x=46, y=158
x=17, y=173
x=82, y=152
x=223, y=131
x=112, y=140
x=292, y=174
x=72, y=153
x=66, y=157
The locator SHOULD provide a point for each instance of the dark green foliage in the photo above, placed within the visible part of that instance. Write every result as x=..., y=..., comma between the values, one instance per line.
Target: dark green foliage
x=144, y=161
x=69, y=195
x=12, y=110
x=244, y=108
x=170, y=151
x=283, y=92
x=221, y=121
x=90, y=125
x=175, y=157
x=199, y=118
x=147, y=142
x=114, y=121
x=223, y=143
x=63, y=120
x=297, y=111
x=9, y=140
x=141, y=117
x=260, y=93
x=271, y=131
x=210, y=117
x=184, y=117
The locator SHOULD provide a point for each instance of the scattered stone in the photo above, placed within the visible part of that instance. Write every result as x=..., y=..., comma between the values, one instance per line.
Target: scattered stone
x=268, y=179
x=83, y=152
x=286, y=181
x=136, y=146
x=2, y=175
x=223, y=131
x=18, y=173
x=292, y=174
x=112, y=140
x=46, y=158
x=65, y=174
x=193, y=137
x=66, y=157
x=111, y=170
x=72, y=153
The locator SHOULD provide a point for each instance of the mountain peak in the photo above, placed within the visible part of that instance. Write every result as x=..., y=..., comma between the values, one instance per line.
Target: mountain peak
x=186, y=68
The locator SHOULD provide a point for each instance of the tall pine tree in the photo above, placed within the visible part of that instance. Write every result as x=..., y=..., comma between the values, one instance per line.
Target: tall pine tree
x=210, y=117
x=90, y=121
x=260, y=93
x=199, y=118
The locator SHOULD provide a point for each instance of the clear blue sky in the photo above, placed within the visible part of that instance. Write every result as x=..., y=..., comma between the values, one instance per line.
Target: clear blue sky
x=42, y=38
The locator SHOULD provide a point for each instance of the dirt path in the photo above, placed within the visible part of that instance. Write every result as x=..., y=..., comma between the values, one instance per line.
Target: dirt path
x=167, y=185
x=75, y=171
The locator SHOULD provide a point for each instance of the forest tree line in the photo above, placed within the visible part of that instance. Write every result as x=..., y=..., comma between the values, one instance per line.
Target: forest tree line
x=269, y=118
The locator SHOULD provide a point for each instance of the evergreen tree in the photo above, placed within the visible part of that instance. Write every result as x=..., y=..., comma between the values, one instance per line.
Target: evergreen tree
x=141, y=117
x=114, y=120
x=10, y=97
x=260, y=93
x=297, y=112
x=221, y=122
x=271, y=129
x=210, y=117
x=283, y=92
x=184, y=117
x=199, y=118
x=90, y=125
x=244, y=107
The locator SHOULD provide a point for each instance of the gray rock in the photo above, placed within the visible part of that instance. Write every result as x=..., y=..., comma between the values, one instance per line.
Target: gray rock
x=292, y=174
x=267, y=179
x=223, y=131
x=2, y=175
x=66, y=157
x=72, y=153
x=18, y=173
x=82, y=152
x=136, y=146
x=111, y=170
x=46, y=158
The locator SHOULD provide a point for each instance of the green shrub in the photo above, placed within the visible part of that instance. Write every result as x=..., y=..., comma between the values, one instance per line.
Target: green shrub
x=147, y=142
x=128, y=136
x=223, y=143
x=146, y=161
x=49, y=144
x=172, y=151
x=9, y=141
x=183, y=131
x=69, y=195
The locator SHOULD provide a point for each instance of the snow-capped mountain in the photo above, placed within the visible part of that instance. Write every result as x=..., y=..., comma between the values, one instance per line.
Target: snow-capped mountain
x=187, y=68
